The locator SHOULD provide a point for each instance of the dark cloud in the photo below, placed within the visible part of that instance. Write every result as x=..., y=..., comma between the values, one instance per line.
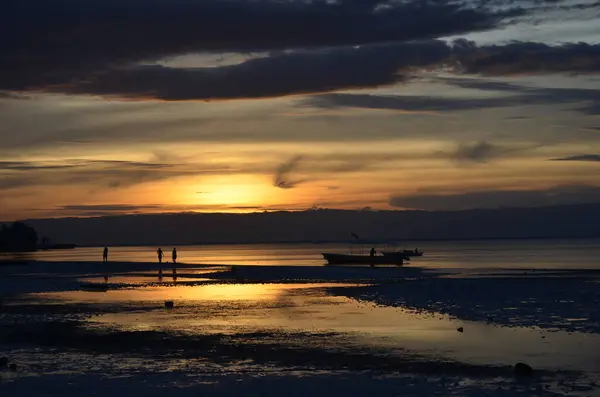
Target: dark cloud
x=523, y=58
x=297, y=72
x=54, y=41
x=283, y=178
x=347, y=68
x=95, y=210
x=329, y=165
x=408, y=102
x=108, y=207
x=32, y=166
x=71, y=164
x=90, y=214
x=499, y=198
x=14, y=182
x=537, y=95
x=517, y=118
x=95, y=173
x=580, y=157
x=116, y=173
x=483, y=84
x=481, y=152
x=92, y=127
x=317, y=70
x=511, y=95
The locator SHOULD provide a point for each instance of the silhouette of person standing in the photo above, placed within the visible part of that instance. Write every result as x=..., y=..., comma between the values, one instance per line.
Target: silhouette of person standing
x=159, y=253
x=372, y=253
x=174, y=255
x=105, y=255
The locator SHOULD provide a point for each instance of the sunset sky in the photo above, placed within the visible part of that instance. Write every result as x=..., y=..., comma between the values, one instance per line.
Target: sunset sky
x=137, y=106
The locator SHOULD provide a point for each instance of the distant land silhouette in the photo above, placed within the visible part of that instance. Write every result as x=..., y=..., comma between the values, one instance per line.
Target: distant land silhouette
x=320, y=225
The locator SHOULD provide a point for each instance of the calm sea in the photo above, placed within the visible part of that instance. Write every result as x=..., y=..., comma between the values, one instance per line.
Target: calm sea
x=549, y=254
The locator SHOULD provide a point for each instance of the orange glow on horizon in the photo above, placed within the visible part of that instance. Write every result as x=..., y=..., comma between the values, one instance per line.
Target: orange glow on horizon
x=228, y=191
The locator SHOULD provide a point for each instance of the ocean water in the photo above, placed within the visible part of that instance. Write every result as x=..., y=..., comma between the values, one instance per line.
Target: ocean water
x=509, y=254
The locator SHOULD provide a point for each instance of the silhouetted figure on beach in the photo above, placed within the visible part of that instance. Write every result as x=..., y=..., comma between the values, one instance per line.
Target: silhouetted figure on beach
x=105, y=255
x=174, y=255
x=159, y=253
x=372, y=253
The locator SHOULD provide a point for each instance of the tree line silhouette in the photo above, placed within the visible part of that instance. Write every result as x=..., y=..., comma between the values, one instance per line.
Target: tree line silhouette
x=18, y=237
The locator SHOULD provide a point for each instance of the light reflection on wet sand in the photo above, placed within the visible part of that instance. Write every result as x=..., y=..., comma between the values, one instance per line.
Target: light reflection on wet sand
x=307, y=307
x=144, y=279
x=212, y=292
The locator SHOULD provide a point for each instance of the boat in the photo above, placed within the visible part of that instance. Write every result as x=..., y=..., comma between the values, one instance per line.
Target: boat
x=405, y=253
x=348, y=259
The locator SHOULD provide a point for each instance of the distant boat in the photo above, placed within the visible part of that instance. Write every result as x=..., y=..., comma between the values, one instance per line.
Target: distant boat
x=405, y=253
x=346, y=259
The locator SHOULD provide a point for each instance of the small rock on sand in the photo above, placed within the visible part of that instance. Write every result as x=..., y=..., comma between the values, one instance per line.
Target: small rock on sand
x=169, y=304
x=460, y=329
x=522, y=369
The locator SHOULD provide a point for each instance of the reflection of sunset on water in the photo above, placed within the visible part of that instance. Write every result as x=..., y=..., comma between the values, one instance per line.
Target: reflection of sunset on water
x=215, y=292
x=238, y=309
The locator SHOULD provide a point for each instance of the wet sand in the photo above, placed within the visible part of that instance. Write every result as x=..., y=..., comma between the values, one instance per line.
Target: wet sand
x=311, y=328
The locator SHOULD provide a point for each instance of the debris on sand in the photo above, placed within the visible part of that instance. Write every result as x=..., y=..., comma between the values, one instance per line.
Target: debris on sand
x=460, y=329
x=169, y=304
x=522, y=369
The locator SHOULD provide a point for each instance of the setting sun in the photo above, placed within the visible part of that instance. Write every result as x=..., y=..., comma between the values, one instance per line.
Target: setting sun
x=230, y=191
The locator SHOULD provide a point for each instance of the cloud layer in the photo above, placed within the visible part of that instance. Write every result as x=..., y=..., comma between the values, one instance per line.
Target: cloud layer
x=500, y=198
x=480, y=152
x=59, y=40
x=324, y=70
x=587, y=100
x=97, y=47
x=580, y=157
x=98, y=173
